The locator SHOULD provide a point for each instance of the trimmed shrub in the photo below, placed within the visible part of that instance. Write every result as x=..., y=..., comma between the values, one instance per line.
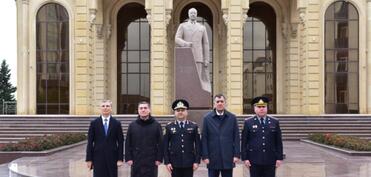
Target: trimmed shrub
x=45, y=142
x=345, y=142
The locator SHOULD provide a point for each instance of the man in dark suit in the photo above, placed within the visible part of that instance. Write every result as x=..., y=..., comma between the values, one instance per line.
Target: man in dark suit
x=262, y=141
x=143, y=145
x=220, y=139
x=104, y=151
x=182, y=144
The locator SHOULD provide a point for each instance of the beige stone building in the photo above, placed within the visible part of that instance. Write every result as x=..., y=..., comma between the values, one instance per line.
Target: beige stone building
x=309, y=56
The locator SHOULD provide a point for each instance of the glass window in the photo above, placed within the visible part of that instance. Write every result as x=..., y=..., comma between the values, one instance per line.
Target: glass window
x=134, y=58
x=341, y=58
x=52, y=60
x=259, y=56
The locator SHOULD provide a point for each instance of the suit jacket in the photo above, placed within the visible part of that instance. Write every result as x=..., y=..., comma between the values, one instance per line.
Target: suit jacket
x=195, y=33
x=262, y=145
x=220, y=140
x=104, y=151
x=182, y=146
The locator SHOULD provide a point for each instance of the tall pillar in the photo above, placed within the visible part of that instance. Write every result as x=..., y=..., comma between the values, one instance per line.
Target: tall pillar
x=158, y=15
x=83, y=60
x=22, y=57
x=234, y=16
x=368, y=90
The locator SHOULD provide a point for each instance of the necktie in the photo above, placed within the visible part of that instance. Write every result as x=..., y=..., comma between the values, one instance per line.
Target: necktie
x=262, y=121
x=105, y=126
x=181, y=125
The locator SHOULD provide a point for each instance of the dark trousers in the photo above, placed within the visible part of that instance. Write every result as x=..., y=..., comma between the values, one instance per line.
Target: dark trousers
x=182, y=172
x=216, y=173
x=262, y=170
x=144, y=170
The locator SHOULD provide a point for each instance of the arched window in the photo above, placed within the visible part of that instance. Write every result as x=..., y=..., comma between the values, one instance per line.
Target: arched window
x=52, y=60
x=259, y=56
x=341, y=58
x=133, y=58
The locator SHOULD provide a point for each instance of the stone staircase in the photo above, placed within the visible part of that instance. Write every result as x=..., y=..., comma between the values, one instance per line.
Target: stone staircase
x=294, y=127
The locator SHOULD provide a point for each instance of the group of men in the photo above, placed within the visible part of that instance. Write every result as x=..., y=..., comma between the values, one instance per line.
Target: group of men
x=181, y=146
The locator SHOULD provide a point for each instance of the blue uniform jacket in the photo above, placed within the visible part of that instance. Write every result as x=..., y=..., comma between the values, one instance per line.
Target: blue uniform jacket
x=220, y=140
x=261, y=145
x=182, y=146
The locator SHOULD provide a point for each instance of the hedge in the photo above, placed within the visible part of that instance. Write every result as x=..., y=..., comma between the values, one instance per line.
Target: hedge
x=345, y=142
x=45, y=142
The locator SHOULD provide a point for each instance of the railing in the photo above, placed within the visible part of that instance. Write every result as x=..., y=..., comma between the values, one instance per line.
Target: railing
x=9, y=107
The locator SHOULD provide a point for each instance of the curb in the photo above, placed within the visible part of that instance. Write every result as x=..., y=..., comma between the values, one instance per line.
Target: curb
x=344, y=151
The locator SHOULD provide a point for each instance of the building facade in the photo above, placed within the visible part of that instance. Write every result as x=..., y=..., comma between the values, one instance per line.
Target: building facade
x=309, y=56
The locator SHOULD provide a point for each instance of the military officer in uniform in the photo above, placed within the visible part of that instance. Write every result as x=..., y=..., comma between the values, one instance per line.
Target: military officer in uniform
x=262, y=141
x=182, y=144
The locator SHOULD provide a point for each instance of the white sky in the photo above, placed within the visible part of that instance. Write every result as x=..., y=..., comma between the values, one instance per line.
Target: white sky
x=8, y=36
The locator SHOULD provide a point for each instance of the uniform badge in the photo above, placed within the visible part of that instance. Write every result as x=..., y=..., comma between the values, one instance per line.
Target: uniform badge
x=173, y=129
x=189, y=129
x=254, y=126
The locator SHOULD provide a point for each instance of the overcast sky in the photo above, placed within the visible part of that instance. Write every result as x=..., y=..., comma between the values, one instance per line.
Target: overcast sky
x=8, y=36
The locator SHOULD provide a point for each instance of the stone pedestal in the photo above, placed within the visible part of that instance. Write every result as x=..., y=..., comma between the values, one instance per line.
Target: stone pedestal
x=197, y=116
x=187, y=83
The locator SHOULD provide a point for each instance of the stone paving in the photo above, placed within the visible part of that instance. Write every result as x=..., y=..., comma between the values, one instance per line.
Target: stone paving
x=302, y=160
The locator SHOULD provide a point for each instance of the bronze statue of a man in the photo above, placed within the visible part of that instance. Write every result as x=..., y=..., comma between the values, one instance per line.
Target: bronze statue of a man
x=192, y=34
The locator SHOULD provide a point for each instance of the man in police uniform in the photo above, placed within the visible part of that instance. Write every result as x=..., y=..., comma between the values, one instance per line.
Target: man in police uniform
x=262, y=141
x=181, y=143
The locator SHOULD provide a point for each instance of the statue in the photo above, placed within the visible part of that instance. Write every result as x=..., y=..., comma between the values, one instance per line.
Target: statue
x=192, y=34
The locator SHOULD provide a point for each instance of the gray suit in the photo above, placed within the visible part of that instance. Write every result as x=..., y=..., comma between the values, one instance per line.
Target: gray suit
x=196, y=33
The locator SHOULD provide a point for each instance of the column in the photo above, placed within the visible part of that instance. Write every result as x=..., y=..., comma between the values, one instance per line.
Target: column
x=22, y=57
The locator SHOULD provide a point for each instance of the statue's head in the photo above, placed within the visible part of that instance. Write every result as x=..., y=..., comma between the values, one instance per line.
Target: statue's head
x=192, y=14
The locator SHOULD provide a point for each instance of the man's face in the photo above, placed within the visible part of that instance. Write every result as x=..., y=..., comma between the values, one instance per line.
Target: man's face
x=143, y=110
x=105, y=108
x=192, y=14
x=219, y=103
x=261, y=111
x=180, y=114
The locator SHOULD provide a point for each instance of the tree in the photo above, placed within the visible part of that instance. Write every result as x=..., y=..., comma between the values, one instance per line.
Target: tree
x=6, y=88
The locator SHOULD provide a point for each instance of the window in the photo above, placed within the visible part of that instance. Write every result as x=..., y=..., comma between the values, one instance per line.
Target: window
x=341, y=58
x=259, y=56
x=52, y=60
x=133, y=58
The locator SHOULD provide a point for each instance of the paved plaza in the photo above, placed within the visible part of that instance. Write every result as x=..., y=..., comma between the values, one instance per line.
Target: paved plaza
x=302, y=160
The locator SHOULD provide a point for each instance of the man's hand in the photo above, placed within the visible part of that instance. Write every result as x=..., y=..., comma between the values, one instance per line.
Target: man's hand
x=235, y=159
x=206, y=161
x=278, y=163
x=247, y=163
x=130, y=162
x=195, y=166
x=157, y=163
x=120, y=163
x=169, y=167
x=89, y=164
x=188, y=44
x=206, y=64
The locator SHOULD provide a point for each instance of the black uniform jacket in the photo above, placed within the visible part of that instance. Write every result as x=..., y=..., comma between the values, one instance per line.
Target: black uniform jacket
x=262, y=145
x=182, y=146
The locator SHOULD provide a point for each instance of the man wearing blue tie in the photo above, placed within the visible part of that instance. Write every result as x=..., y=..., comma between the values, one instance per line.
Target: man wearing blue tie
x=262, y=141
x=104, y=151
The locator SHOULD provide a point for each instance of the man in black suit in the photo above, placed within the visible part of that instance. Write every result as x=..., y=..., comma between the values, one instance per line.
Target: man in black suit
x=104, y=151
x=182, y=144
x=143, y=145
x=262, y=141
